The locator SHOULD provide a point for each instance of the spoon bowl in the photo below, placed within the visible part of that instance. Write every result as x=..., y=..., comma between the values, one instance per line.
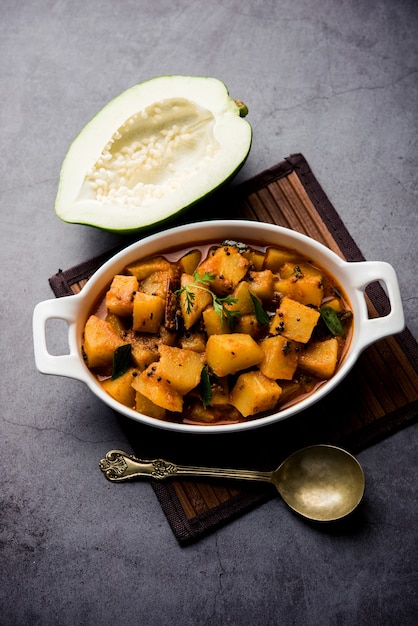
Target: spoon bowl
x=322, y=482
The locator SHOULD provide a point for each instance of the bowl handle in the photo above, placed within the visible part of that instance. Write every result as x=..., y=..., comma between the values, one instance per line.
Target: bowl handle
x=372, y=329
x=70, y=365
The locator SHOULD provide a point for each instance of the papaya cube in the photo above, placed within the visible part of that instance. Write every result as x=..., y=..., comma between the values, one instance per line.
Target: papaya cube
x=120, y=295
x=256, y=259
x=254, y=393
x=320, y=358
x=145, y=345
x=196, y=412
x=227, y=265
x=158, y=391
x=121, y=388
x=181, y=367
x=285, y=287
x=143, y=354
x=220, y=392
x=148, y=312
x=191, y=309
x=118, y=322
x=100, y=342
x=307, y=290
x=275, y=257
x=167, y=336
x=294, y=320
x=335, y=304
x=142, y=269
x=190, y=261
x=262, y=284
x=156, y=283
x=280, y=358
x=230, y=353
x=299, y=270
x=147, y=407
x=195, y=341
x=241, y=294
x=249, y=325
x=215, y=324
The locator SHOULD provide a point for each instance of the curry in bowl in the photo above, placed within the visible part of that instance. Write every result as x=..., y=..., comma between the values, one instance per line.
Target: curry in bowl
x=219, y=333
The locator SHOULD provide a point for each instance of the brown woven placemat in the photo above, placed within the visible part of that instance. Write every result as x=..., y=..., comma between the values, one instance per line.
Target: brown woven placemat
x=378, y=397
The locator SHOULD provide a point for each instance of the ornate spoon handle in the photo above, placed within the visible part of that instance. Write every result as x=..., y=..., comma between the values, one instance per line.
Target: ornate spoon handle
x=118, y=466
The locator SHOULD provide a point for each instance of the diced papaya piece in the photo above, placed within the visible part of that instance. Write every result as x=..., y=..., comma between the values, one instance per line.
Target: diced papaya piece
x=145, y=267
x=117, y=321
x=285, y=287
x=261, y=284
x=275, y=257
x=100, y=342
x=156, y=283
x=280, y=358
x=191, y=309
x=143, y=355
x=254, y=393
x=294, y=320
x=249, y=325
x=220, y=392
x=230, y=353
x=158, y=391
x=166, y=336
x=241, y=294
x=145, y=345
x=181, y=367
x=120, y=295
x=197, y=413
x=306, y=290
x=256, y=259
x=299, y=270
x=335, y=304
x=189, y=262
x=215, y=324
x=227, y=265
x=320, y=358
x=148, y=312
x=290, y=389
x=145, y=406
x=195, y=341
x=121, y=388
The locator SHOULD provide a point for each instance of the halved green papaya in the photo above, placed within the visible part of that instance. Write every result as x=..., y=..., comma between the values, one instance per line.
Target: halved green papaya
x=153, y=151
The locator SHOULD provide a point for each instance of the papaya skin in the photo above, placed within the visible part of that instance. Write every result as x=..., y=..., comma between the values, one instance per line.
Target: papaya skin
x=189, y=139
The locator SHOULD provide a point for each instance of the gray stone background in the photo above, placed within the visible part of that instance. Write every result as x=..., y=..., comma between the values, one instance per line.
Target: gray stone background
x=334, y=80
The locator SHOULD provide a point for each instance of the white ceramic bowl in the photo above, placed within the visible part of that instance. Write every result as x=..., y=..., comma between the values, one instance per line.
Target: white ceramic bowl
x=353, y=277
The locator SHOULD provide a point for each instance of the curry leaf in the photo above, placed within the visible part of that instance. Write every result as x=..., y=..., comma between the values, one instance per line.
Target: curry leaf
x=205, y=387
x=121, y=360
x=261, y=315
x=332, y=321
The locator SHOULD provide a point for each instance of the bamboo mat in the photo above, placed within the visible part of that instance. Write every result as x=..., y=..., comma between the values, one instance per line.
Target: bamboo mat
x=378, y=397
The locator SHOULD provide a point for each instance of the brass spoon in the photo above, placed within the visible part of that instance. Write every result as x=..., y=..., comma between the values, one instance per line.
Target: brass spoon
x=321, y=482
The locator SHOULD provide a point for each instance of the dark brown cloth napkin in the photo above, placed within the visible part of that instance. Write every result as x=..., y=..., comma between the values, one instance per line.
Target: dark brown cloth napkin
x=378, y=397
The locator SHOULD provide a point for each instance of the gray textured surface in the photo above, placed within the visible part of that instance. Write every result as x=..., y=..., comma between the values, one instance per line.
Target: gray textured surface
x=337, y=81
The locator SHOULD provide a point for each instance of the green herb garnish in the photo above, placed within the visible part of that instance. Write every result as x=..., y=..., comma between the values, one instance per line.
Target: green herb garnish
x=219, y=304
x=261, y=315
x=205, y=387
x=121, y=360
x=332, y=321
